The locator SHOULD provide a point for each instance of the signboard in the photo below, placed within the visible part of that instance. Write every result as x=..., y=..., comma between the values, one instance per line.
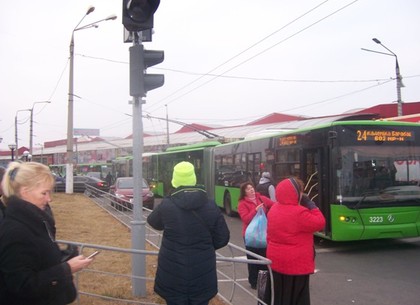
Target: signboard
x=288, y=140
x=86, y=132
x=384, y=135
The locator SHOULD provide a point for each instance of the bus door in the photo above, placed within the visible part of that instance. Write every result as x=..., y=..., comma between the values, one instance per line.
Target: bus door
x=253, y=167
x=314, y=172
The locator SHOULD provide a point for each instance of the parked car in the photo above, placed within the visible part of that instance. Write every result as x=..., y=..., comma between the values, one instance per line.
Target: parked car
x=95, y=174
x=123, y=192
x=80, y=182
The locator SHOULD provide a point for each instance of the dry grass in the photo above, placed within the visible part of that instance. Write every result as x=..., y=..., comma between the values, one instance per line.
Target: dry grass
x=78, y=219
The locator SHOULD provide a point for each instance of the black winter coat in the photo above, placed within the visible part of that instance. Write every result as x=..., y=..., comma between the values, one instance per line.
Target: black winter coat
x=31, y=271
x=193, y=229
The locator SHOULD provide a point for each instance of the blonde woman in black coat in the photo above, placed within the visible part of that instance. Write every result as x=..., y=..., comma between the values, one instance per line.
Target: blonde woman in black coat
x=31, y=267
x=193, y=229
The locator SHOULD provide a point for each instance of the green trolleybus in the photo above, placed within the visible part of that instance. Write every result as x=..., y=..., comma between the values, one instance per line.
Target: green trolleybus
x=158, y=167
x=363, y=175
x=99, y=168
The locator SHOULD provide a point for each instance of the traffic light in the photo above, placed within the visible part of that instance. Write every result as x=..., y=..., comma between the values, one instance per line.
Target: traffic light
x=138, y=14
x=140, y=60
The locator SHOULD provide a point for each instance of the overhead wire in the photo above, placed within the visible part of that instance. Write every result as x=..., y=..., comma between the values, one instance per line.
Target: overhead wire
x=251, y=78
x=281, y=80
x=339, y=96
x=319, y=102
x=59, y=80
x=215, y=76
x=242, y=52
x=258, y=54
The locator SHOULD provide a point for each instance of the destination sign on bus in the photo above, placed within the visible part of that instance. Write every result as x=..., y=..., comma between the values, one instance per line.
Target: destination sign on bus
x=384, y=135
x=289, y=140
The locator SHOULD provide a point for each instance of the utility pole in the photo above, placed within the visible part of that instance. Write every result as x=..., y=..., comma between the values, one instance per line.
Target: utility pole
x=31, y=127
x=167, y=126
x=16, y=132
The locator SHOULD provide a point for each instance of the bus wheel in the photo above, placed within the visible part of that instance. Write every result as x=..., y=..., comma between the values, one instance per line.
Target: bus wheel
x=227, y=205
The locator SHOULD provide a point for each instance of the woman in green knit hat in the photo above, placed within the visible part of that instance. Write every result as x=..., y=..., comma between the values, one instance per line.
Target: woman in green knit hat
x=193, y=228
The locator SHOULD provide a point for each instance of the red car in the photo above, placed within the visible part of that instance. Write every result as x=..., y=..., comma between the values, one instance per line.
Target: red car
x=122, y=191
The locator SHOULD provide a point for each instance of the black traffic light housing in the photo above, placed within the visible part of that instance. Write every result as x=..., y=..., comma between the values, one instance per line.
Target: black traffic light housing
x=138, y=14
x=140, y=60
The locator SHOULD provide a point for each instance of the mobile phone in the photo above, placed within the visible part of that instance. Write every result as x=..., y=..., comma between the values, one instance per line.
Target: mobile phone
x=93, y=254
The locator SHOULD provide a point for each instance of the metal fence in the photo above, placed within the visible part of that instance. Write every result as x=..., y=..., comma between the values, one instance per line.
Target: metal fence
x=231, y=260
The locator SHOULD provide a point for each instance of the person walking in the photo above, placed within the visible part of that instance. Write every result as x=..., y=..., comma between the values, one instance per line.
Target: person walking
x=249, y=203
x=109, y=179
x=290, y=242
x=266, y=187
x=193, y=228
x=32, y=270
x=2, y=205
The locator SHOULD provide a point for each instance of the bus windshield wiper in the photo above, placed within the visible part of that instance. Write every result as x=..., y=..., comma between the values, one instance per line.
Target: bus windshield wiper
x=364, y=195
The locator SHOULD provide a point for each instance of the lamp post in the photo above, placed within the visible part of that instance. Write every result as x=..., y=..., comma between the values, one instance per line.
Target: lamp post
x=16, y=131
x=42, y=152
x=31, y=125
x=69, y=165
x=398, y=77
x=12, y=147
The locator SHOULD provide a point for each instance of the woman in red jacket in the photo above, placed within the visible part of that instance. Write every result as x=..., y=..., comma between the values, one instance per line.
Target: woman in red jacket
x=290, y=242
x=249, y=202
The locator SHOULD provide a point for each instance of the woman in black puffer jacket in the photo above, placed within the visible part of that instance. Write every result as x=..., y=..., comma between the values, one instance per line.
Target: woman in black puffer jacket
x=31, y=268
x=193, y=229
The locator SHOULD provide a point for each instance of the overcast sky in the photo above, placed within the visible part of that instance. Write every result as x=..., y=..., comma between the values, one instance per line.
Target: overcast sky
x=227, y=62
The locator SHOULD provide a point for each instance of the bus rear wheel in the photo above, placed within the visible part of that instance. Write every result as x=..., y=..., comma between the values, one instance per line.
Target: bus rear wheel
x=227, y=205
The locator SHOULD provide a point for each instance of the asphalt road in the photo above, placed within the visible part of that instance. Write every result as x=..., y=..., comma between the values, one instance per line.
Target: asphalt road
x=378, y=272
x=375, y=272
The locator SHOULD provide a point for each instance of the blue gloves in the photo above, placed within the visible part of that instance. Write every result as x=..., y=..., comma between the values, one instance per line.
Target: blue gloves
x=308, y=203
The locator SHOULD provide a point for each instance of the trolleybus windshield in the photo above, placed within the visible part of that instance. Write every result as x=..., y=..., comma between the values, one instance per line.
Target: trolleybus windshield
x=383, y=174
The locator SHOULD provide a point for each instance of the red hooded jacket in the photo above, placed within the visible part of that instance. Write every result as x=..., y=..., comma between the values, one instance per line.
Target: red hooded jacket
x=290, y=228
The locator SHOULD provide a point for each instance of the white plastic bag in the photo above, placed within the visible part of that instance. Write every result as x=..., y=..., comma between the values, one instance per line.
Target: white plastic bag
x=256, y=232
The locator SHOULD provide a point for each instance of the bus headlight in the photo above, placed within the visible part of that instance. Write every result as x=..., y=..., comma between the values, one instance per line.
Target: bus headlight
x=344, y=218
x=347, y=219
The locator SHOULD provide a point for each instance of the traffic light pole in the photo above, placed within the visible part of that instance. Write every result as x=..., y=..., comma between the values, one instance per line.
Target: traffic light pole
x=138, y=225
x=138, y=17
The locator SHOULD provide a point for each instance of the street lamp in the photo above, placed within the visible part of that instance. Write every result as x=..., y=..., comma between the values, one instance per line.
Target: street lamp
x=16, y=131
x=69, y=165
x=31, y=126
x=26, y=156
x=12, y=147
x=397, y=72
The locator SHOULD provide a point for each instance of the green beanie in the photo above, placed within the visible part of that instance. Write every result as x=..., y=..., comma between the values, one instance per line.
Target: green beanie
x=183, y=175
